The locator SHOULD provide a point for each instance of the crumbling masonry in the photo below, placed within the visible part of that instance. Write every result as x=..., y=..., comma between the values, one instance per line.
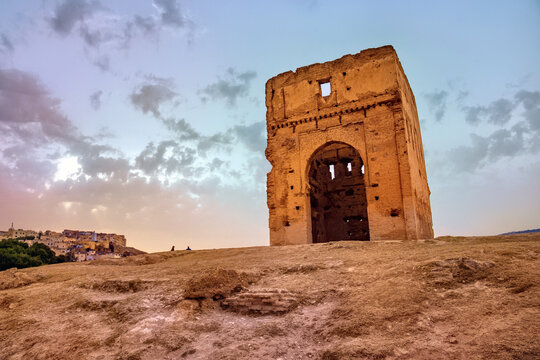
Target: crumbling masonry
x=346, y=153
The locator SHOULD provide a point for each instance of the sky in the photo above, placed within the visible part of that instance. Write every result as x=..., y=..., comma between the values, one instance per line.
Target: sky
x=147, y=118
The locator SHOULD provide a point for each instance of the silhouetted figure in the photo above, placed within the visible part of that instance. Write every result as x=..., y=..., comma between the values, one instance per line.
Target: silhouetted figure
x=188, y=248
x=172, y=249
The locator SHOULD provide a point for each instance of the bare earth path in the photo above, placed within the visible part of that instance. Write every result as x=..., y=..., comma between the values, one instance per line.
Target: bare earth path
x=450, y=298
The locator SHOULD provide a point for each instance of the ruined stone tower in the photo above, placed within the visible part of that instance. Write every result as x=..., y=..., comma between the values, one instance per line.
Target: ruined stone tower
x=346, y=153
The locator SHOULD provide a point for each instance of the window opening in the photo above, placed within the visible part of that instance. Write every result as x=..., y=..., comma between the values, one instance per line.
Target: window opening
x=332, y=173
x=325, y=88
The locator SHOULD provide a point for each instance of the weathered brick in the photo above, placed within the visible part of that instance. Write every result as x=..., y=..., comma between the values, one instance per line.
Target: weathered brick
x=348, y=165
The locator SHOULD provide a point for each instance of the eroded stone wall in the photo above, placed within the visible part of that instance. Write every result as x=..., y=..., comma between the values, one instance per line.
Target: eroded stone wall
x=370, y=114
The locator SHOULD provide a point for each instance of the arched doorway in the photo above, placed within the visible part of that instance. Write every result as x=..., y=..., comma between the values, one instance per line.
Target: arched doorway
x=338, y=194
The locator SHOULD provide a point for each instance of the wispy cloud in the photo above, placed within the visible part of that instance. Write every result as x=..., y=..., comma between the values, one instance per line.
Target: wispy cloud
x=71, y=12
x=522, y=137
x=6, y=45
x=497, y=112
x=149, y=96
x=32, y=122
x=253, y=136
x=230, y=87
x=171, y=13
x=103, y=31
x=95, y=99
x=168, y=157
x=437, y=103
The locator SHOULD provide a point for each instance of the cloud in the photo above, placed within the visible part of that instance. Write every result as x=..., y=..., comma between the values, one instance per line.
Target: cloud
x=501, y=143
x=103, y=63
x=522, y=137
x=95, y=99
x=70, y=12
x=28, y=111
x=34, y=128
x=461, y=95
x=103, y=31
x=147, y=212
x=500, y=111
x=497, y=112
x=437, y=103
x=36, y=135
x=151, y=95
x=168, y=157
x=504, y=142
x=166, y=186
x=230, y=88
x=170, y=13
x=473, y=114
x=98, y=24
x=104, y=166
x=216, y=164
x=531, y=103
x=252, y=136
x=219, y=140
x=182, y=129
x=147, y=24
x=6, y=46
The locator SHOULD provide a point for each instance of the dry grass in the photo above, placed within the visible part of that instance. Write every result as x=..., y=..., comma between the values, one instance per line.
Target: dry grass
x=449, y=298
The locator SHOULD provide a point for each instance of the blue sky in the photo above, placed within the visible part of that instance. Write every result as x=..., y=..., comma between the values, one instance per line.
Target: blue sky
x=147, y=117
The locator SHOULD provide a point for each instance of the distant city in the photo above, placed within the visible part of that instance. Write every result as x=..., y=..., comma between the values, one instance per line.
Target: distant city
x=76, y=245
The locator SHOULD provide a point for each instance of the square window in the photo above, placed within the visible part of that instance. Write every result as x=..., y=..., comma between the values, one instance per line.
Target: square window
x=325, y=88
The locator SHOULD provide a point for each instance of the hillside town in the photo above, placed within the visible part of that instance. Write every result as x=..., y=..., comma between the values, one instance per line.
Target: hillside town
x=76, y=245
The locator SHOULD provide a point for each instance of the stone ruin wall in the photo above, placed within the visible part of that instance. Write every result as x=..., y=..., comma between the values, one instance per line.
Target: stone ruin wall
x=370, y=110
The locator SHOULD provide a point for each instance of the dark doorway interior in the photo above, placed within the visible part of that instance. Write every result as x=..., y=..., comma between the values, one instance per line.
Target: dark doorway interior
x=338, y=195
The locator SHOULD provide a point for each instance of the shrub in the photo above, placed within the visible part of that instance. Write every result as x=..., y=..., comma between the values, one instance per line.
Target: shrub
x=14, y=253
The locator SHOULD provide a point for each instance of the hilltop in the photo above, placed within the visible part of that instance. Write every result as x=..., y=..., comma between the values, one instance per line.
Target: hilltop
x=452, y=297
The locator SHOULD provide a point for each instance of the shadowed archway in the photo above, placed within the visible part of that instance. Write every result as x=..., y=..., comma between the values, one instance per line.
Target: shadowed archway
x=337, y=194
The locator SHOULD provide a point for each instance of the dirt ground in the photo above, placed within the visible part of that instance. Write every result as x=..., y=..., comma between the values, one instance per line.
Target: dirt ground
x=449, y=298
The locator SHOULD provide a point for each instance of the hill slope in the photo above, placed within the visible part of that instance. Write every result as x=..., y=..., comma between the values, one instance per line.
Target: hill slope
x=459, y=298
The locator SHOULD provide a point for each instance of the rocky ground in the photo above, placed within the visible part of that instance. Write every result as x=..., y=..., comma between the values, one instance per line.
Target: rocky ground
x=450, y=298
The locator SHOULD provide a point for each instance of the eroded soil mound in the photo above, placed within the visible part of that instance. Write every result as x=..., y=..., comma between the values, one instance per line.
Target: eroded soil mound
x=457, y=270
x=116, y=286
x=13, y=278
x=216, y=284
